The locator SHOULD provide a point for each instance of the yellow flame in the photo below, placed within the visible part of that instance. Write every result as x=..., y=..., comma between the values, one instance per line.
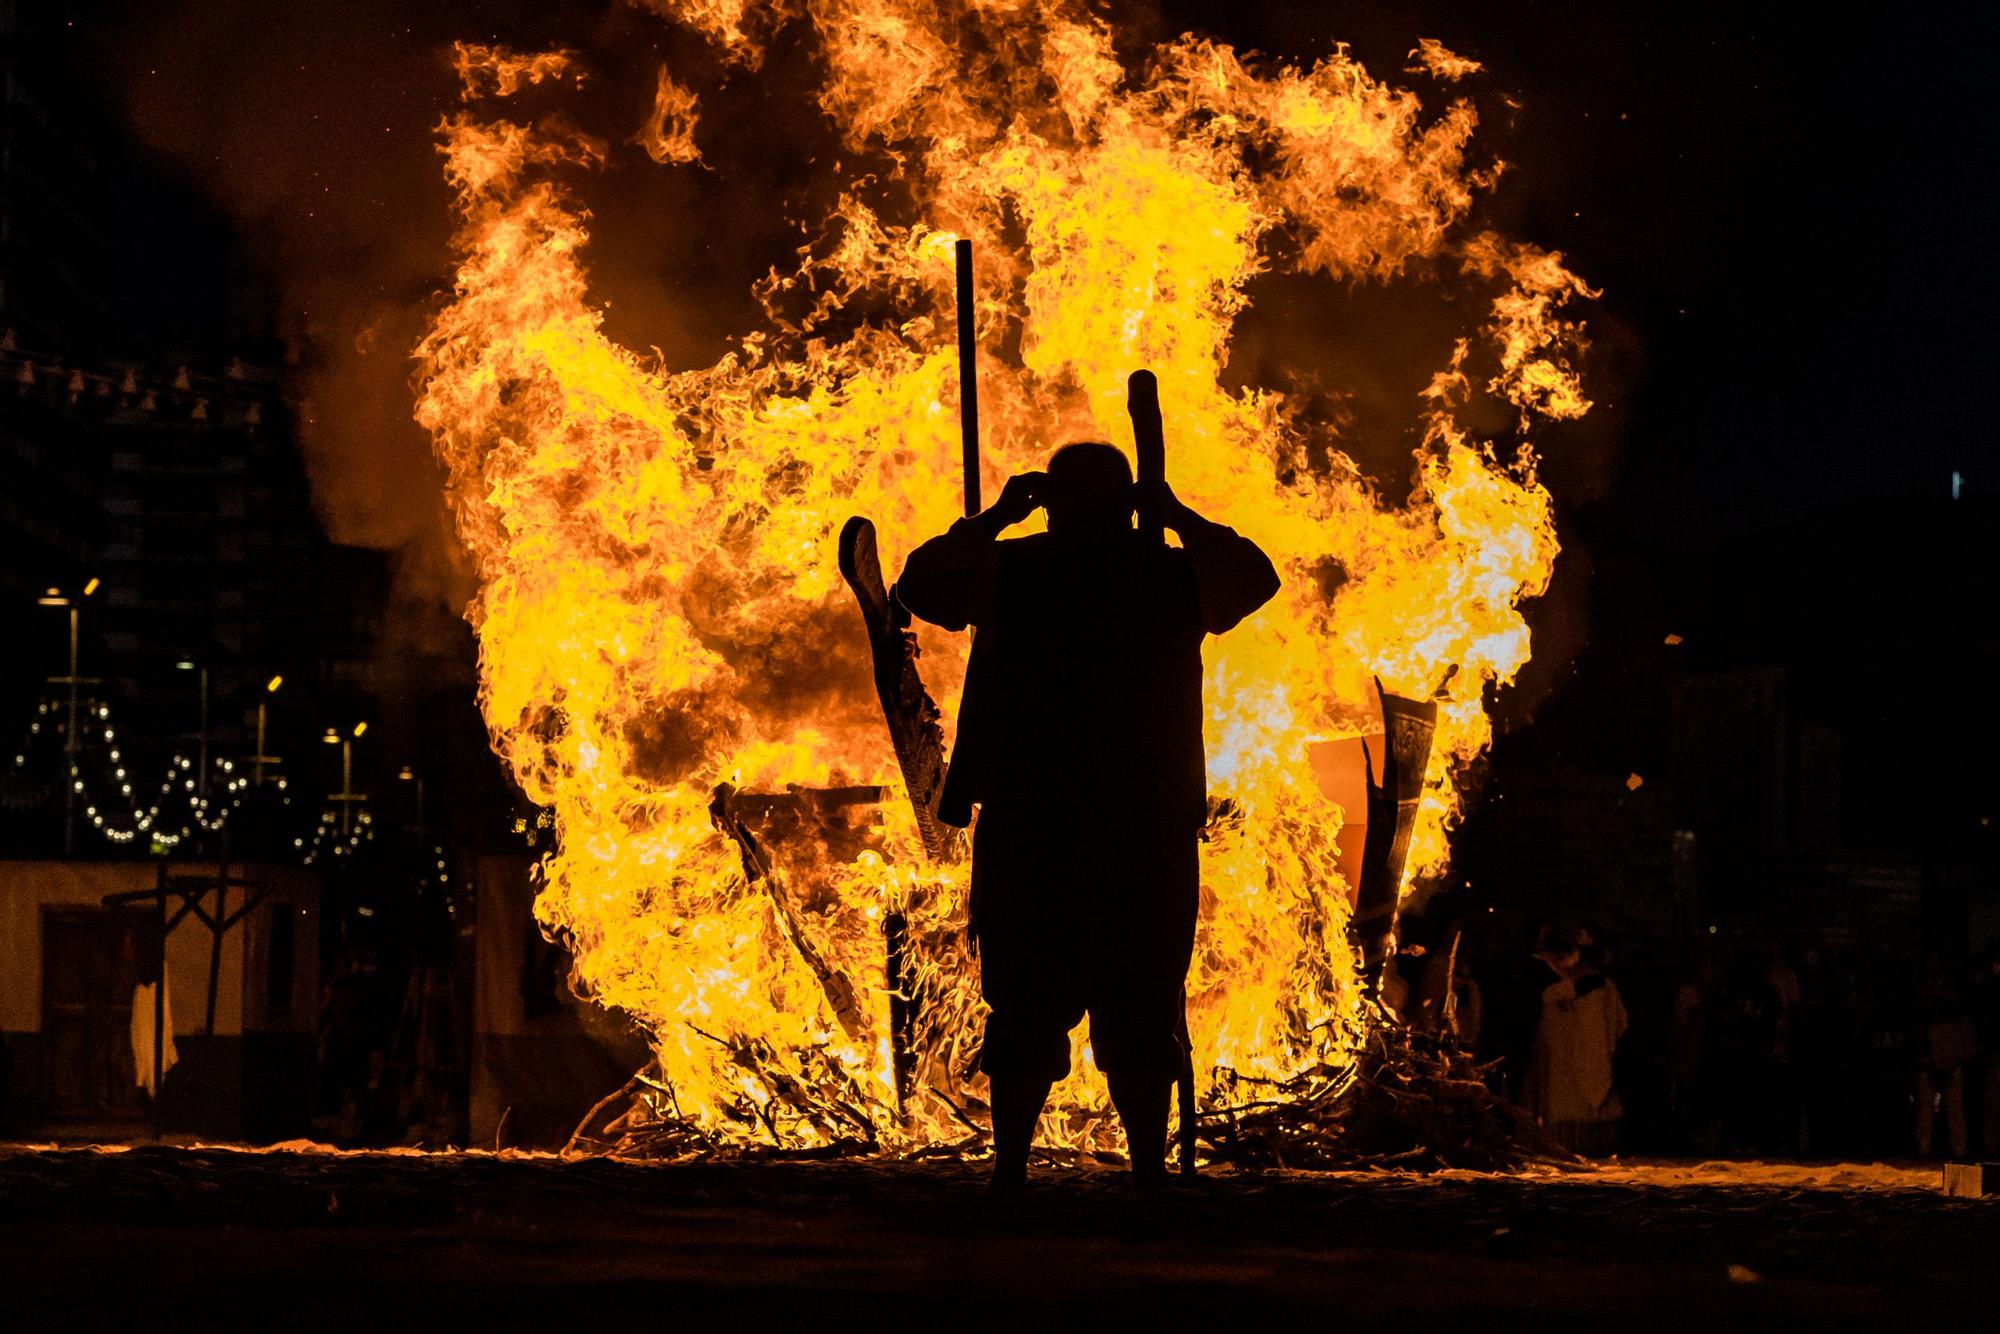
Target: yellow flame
x=658, y=606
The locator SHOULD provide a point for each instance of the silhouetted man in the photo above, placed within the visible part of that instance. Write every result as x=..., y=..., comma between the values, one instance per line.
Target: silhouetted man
x=1079, y=736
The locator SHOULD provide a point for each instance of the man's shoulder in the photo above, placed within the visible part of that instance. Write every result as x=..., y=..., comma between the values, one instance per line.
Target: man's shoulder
x=1042, y=555
x=1046, y=544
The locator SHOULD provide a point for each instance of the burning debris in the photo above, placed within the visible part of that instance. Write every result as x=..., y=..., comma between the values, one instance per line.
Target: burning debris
x=1402, y=1100
x=670, y=657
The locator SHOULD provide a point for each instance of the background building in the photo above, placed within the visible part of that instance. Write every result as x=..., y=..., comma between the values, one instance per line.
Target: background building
x=244, y=688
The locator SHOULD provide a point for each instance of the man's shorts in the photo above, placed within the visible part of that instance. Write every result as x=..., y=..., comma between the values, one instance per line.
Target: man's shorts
x=1077, y=919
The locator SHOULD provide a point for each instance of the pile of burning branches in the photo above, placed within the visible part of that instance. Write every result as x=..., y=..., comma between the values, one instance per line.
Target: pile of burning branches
x=1396, y=1095
x=1407, y=1100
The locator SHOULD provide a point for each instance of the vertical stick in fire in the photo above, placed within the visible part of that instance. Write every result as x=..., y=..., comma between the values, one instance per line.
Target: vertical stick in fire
x=907, y=707
x=1142, y=401
x=968, y=379
x=1149, y=441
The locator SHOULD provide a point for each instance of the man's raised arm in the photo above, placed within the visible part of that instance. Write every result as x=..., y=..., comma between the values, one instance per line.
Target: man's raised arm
x=953, y=580
x=1232, y=575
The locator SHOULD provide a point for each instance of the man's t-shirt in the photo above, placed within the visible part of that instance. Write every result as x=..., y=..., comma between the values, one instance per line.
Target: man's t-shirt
x=1085, y=694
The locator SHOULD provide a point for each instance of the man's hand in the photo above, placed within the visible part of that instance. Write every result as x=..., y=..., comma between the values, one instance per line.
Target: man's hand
x=1021, y=497
x=1160, y=499
x=1231, y=576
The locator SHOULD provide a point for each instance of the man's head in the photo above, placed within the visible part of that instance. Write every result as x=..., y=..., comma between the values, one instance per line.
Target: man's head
x=1090, y=490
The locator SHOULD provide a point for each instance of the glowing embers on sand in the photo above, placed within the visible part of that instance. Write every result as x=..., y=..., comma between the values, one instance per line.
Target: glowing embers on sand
x=660, y=610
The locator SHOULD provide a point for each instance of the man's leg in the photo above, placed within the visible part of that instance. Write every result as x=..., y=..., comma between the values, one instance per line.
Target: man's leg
x=1026, y=1052
x=1142, y=1102
x=1017, y=1107
x=1023, y=972
x=1137, y=1023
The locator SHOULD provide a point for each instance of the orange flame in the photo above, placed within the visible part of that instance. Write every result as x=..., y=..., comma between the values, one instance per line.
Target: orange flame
x=658, y=608
x=668, y=134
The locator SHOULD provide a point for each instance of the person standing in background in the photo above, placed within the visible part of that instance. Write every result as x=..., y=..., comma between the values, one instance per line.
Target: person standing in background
x=1571, y=1082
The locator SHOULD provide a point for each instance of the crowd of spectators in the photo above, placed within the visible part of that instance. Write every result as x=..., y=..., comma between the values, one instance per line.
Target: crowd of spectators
x=1740, y=1044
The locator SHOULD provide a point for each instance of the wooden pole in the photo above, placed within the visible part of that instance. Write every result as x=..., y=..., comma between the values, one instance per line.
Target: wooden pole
x=968, y=379
x=72, y=743
x=218, y=927
x=1149, y=444
x=160, y=1007
x=1142, y=403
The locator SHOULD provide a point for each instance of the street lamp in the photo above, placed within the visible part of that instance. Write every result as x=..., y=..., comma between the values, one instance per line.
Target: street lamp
x=260, y=759
x=72, y=740
x=189, y=665
x=409, y=775
x=347, y=796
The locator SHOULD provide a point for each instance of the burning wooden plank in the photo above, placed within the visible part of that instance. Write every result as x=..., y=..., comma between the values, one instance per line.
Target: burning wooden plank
x=735, y=814
x=1407, y=727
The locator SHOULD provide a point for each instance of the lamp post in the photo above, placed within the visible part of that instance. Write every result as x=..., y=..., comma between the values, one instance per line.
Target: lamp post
x=189, y=665
x=72, y=740
x=409, y=774
x=347, y=796
x=260, y=759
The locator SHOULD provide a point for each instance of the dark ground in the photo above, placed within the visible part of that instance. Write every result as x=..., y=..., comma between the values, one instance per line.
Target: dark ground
x=204, y=1238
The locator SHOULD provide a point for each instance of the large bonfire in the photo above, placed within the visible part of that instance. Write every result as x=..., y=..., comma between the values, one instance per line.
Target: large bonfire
x=659, y=609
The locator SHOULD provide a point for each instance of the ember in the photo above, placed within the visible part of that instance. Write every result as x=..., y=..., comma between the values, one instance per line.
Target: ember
x=665, y=633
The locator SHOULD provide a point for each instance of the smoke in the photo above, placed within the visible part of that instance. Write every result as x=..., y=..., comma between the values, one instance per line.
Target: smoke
x=314, y=127
x=311, y=126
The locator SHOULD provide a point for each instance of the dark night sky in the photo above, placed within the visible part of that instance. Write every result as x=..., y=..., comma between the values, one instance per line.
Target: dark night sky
x=1787, y=217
